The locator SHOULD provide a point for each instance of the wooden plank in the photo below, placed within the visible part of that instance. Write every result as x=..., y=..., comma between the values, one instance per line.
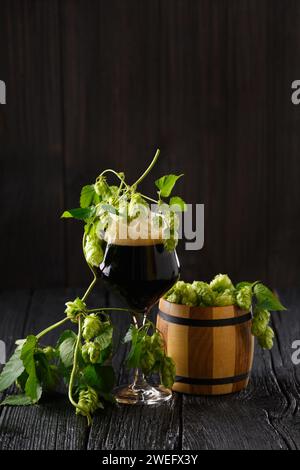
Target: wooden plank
x=111, y=111
x=134, y=427
x=283, y=144
x=14, y=306
x=52, y=424
x=266, y=415
x=31, y=171
x=212, y=95
x=287, y=374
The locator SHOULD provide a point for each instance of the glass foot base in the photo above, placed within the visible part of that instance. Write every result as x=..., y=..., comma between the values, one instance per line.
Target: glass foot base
x=145, y=395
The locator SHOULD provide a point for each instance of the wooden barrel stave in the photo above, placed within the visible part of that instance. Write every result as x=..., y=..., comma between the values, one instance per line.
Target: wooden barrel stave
x=216, y=359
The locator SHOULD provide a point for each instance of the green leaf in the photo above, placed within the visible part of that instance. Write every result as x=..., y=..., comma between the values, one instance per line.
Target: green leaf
x=17, y=400
x=179, y=203
x=66, y=350
x=33, y=388
x=166, y=183
x=101, y=378
x=240, y=285
x=81, y=213
x=131, y=334
x=12, y=370
x=88, y=196
x=108, y=208
x=47, y=374
x=105, y=338
x=64, y=335
x=266, y=299
x=133, y=358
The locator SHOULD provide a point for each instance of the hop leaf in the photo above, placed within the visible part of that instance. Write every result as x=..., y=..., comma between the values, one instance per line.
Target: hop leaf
x=221, y=282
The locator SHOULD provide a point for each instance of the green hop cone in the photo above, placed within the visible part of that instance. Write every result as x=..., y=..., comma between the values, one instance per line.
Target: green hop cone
x=147, y=357
x=93, y=251
x=221, y=282
x=171, y=243
x=224, y=298
x=244, y=298
x=91, y=352
x=102, y=188
x=157, y=346
x=92, y=327
x=260, y=321
x=137, y=206
x=49, y=352
x=74, y=308
x=174, y=295
x=88, y=402
x=266, y=339
x=168, y=372
x=189, y=295
x=206, y=296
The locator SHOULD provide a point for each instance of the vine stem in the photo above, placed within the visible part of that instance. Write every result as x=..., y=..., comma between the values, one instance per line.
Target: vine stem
x=73, y=373
x=52, y=327
x=138, y=181
x=149, y=198
x=109, y=170
x=117, y=309
x=90, y=288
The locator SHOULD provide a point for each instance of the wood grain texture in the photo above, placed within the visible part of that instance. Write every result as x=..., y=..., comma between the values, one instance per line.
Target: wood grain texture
x=14, y=308
x=265, y=416
x=31, y=152
x=110, y=59
x=207, y=352
x=98, y=84
x=53, y=421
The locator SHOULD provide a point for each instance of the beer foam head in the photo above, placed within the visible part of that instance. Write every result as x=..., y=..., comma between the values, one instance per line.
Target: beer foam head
x=140, y=231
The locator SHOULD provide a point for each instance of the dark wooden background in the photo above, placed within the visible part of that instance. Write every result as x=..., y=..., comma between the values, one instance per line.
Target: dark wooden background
x=97, y=83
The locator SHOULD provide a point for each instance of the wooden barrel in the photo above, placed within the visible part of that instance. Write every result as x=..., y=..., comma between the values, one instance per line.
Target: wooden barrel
x=212, y=347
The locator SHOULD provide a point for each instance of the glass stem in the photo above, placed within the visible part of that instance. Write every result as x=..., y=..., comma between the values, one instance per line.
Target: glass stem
x=139, y=381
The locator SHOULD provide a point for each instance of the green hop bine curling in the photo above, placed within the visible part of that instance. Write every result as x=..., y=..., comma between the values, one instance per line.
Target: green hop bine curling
x=74, y=308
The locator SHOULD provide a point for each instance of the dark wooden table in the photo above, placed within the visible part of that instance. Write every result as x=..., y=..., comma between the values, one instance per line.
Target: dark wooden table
x=265, y=416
